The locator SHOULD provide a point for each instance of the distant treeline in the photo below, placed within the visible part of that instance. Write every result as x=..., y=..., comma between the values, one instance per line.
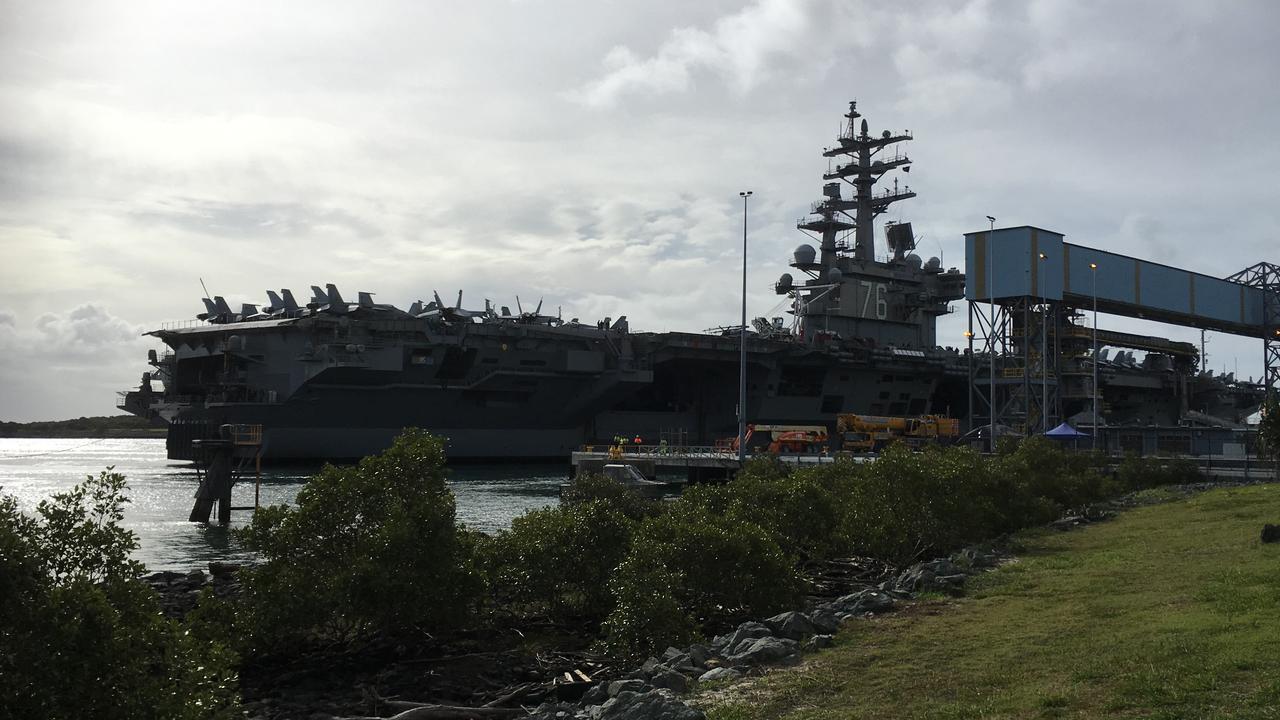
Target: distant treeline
x=114, y=426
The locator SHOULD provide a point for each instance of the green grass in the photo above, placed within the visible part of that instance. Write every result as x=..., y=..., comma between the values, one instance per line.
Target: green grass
x=1169, y=611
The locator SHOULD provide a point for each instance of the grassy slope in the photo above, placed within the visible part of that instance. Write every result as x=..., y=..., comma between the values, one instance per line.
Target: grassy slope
x=1170, y=611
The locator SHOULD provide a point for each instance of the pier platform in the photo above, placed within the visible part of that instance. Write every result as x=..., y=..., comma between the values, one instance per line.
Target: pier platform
x=697, y=462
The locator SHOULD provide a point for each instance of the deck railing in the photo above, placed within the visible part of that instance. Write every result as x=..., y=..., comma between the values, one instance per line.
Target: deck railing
x=681, y=451
x=246, y=434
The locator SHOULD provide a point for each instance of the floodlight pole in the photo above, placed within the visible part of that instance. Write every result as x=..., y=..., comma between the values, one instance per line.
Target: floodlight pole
x=742, y=356
x=1044, y=372
x=1044, y=363
x=991, y=329
x=1093, y=271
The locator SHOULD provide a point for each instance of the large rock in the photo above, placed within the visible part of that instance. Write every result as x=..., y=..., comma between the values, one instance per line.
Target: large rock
x=720, y=673
x=818, y=642
x=596, y=695
x=863, y=601
x=791, y=625
x=618, y=687
x=763, y=650
x=749, y=630
x=933, y=576
x=670, y=655
x=1270, y=533
x=874, y=601
x=944, y=566
x=554, y=711
x=653, y=705
x=680, y=661
x=826, y=620
x=1068, y=523
x=699, y=655
x=978, y=557
x=844, y=603
x=669, y=679
x=644, y=671
x=162, y=578
x=223, y=569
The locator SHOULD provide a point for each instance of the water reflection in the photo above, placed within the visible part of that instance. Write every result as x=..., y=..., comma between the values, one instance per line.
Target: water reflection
x=161, y=492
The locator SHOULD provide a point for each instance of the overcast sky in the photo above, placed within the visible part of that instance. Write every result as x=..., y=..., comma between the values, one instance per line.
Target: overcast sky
x=587, y=152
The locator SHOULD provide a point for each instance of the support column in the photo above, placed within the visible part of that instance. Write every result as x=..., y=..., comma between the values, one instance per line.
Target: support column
x=216, y=486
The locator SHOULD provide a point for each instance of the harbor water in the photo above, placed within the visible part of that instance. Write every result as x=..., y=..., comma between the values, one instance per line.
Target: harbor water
x=161, y=492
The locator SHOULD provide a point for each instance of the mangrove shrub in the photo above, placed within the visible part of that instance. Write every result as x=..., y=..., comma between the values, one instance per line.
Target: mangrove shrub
x=559, y=560
x=804, y=510
x=586, y=487
x=368, y=548
x=907, y=505
x=1038, y=479
x=691, y=567
x=80, y=635
x=1138, y=473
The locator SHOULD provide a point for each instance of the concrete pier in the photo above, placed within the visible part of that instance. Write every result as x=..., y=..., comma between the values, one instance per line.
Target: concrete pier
x=699, y=463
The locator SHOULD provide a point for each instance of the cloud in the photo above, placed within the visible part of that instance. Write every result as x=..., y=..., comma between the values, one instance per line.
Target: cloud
x=67, y=363
x=83, y=330
x=239, y=220
x=8, y=334
x=738, y=48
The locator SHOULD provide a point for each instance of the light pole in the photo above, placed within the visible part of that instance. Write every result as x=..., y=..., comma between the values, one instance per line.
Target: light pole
x=742, y=356
x=1044, y=364
x=968, y=336
x=1093, y=271
x=991, y=330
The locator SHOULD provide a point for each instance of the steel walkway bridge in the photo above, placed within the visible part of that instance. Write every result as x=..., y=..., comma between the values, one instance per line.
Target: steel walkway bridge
x=1023, y=280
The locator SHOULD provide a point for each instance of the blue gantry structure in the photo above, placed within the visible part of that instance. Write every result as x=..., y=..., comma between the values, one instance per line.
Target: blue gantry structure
x=1026, y=287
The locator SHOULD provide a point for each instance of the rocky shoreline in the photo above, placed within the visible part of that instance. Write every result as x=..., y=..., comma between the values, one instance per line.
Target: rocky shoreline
x=578, y=684
x=180, y=592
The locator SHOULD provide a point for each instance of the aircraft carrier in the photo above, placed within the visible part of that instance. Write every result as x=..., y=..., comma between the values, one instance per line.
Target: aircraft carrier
x=334, y=379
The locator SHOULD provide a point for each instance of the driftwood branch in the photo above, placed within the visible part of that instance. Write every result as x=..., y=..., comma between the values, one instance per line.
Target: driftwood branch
x=377, y=702
x=450, y=658
x=446, y=712
x=520, y=692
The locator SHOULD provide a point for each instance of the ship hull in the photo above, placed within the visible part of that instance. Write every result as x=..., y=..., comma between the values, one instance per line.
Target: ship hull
x=689, y=396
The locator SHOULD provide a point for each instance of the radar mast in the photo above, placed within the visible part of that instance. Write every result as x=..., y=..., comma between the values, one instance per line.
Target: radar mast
x=863, y=168
x=850, y=296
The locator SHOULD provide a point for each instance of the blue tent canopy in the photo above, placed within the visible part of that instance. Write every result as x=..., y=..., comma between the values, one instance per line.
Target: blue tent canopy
x=1065, y=431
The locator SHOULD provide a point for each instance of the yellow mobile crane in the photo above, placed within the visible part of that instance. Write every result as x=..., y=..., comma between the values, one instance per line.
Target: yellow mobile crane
x=871, y=433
